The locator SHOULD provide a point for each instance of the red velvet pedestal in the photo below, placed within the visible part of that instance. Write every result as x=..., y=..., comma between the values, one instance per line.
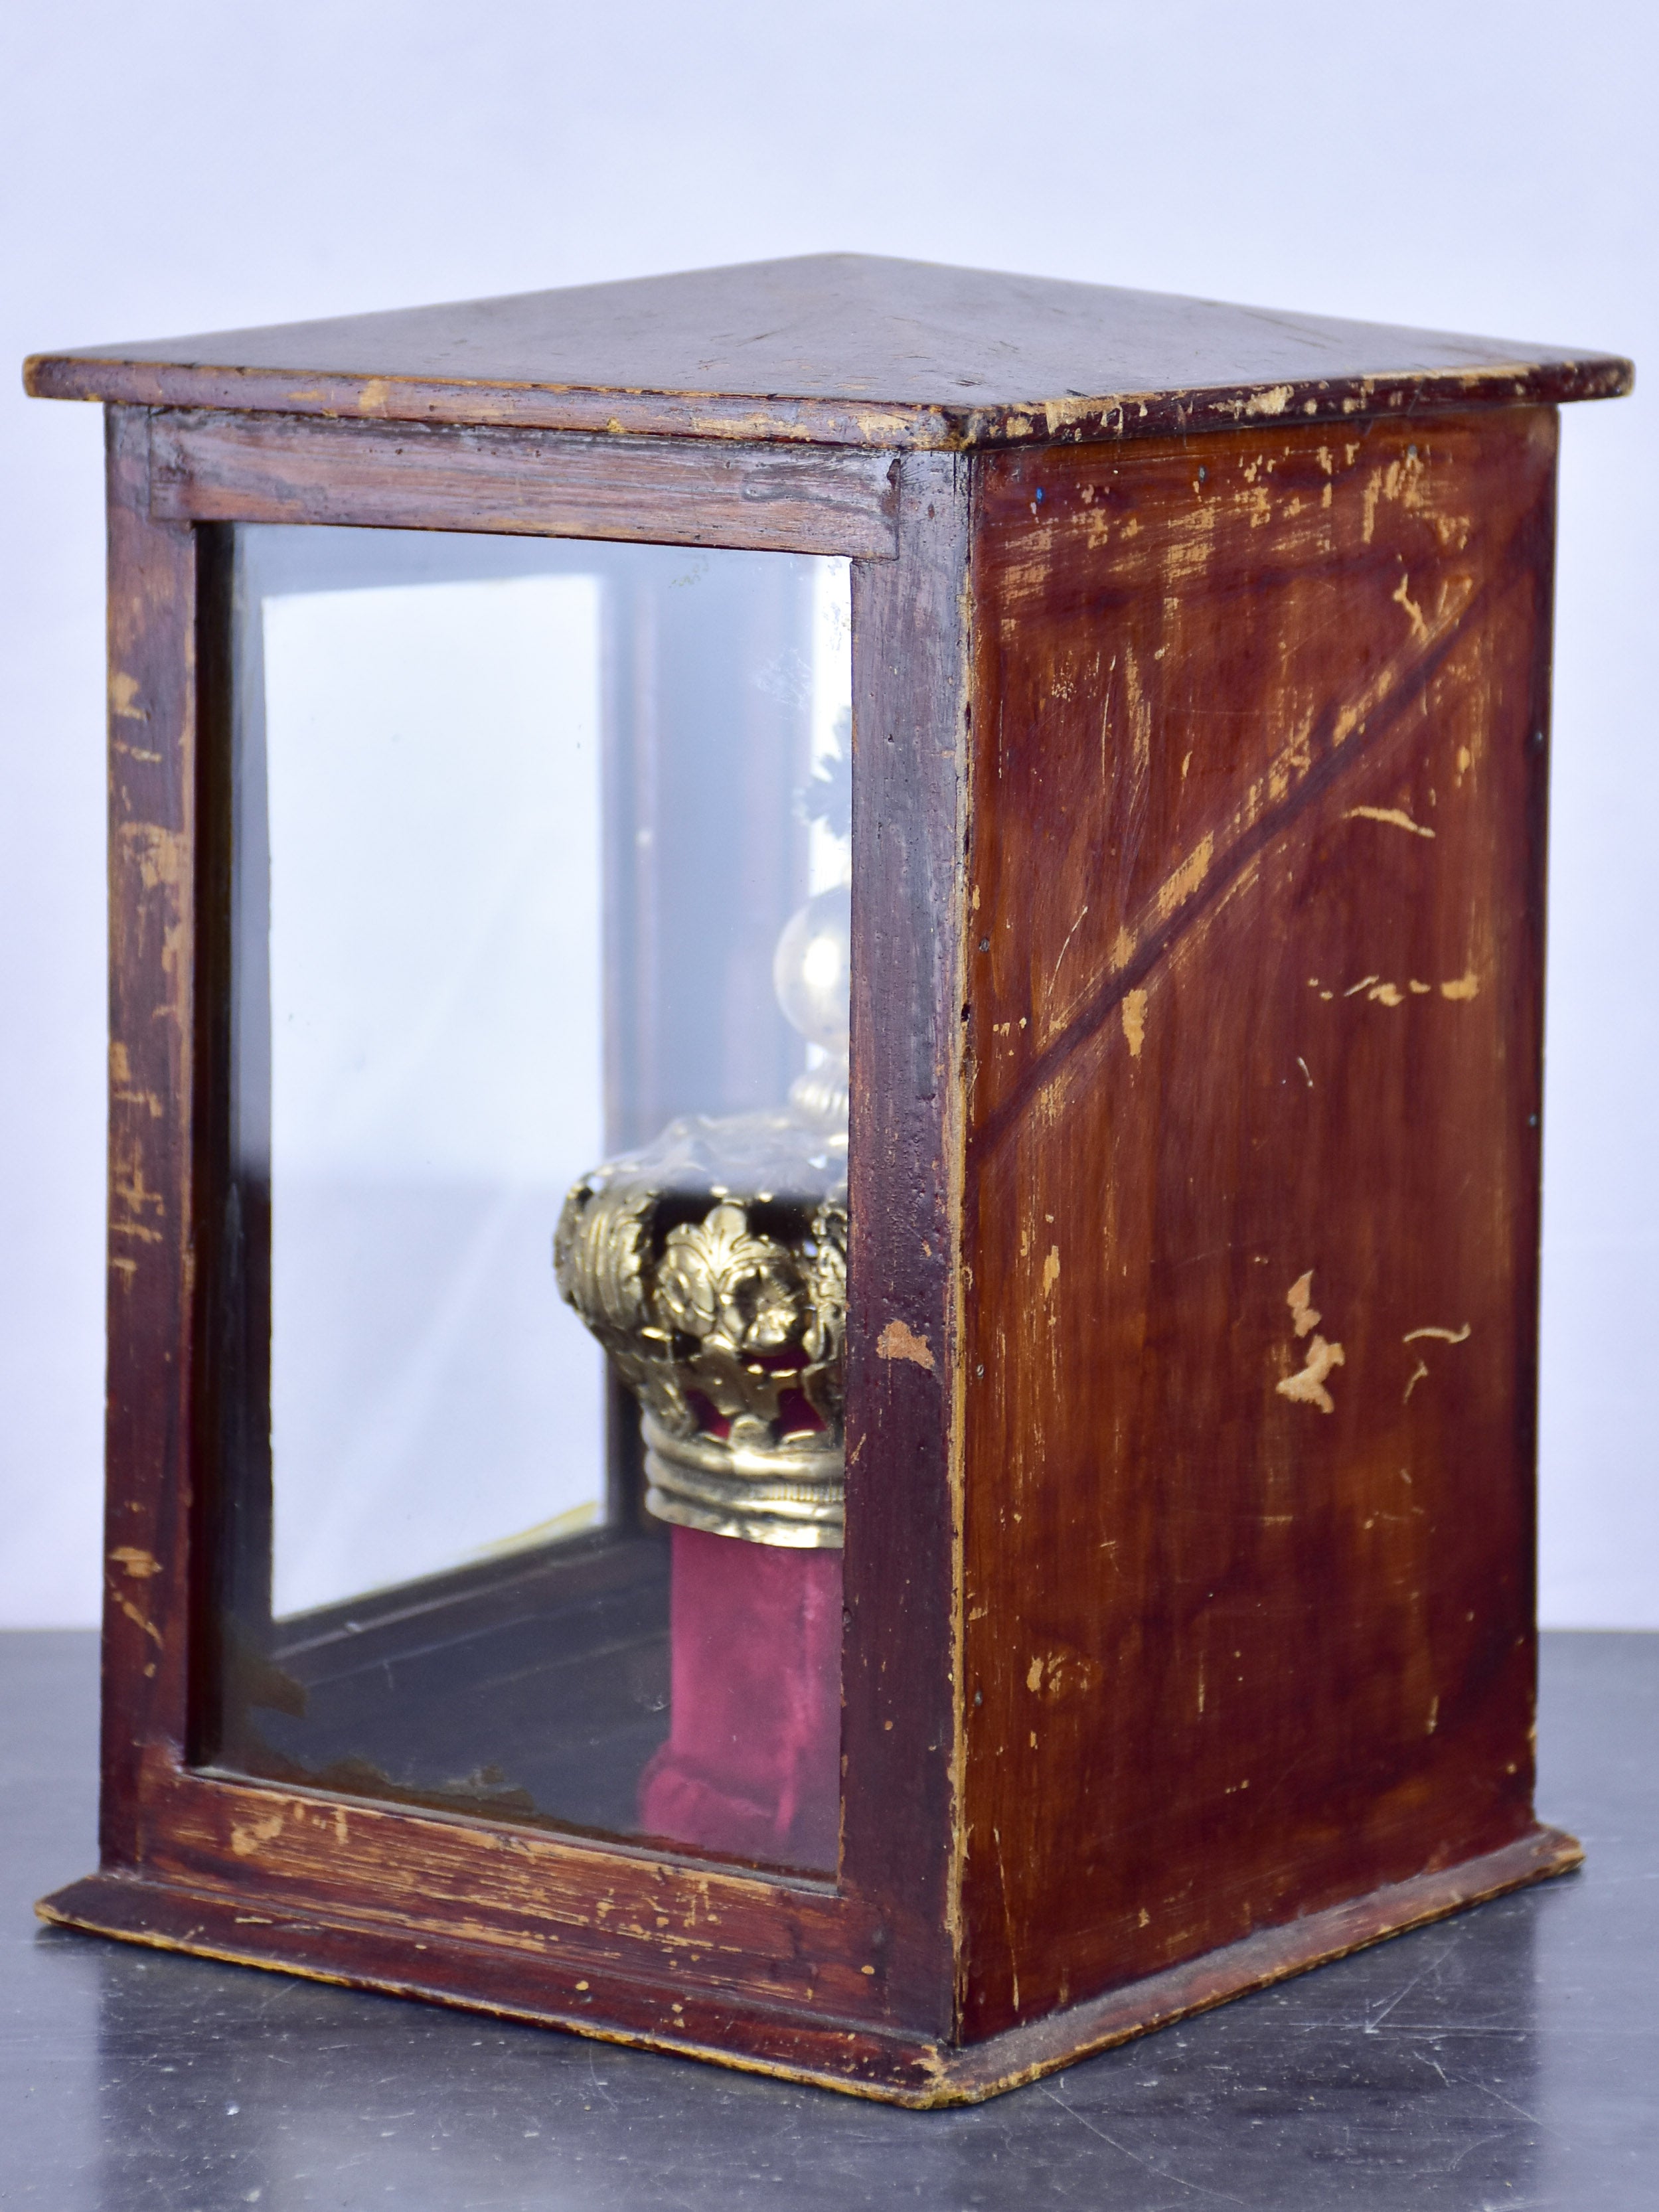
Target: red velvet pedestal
x=752, y=1763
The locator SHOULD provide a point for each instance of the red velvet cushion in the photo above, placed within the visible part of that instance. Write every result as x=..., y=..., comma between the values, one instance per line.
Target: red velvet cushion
x=753, y=1763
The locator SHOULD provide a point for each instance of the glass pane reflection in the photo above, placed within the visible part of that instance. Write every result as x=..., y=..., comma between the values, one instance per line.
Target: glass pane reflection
x=432, y=770
x=540, y=898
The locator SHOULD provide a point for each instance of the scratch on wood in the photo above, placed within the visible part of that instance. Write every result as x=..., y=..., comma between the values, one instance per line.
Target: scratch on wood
x=1403, y=598
x=1007, y=1916
x=133, y=1561
x=1134, y=1021
x=1396, y=815
x=1307, y=1388
x=1299, y=1299
x=898, y=1340
x=135, y=1228
x=1063, y=1673
x=1445, y=1335
x=129, y=1189
x=139, y=1620
x=1179, y=886
x=162, y=855
x=1065, y=947
x=252, y=1835
x=123, y=697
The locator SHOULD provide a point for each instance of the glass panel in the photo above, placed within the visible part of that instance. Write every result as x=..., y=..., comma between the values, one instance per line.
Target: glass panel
x=435, y=1070
x=536, y=1243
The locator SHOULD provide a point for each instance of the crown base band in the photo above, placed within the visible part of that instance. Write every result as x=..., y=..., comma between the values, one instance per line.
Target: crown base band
x=793, y=1499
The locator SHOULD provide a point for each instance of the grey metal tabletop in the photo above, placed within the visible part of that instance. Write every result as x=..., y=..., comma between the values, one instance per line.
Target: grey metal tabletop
x=1508, y=2057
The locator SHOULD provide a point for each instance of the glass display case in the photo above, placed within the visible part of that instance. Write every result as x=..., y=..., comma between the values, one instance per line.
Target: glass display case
x=825, y=1062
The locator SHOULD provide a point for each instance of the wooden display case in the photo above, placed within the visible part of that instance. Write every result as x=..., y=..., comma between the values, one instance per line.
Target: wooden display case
x=1200, y=706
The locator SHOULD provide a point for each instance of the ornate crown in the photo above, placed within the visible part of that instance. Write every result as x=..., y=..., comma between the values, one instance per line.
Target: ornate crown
x=711, y=1266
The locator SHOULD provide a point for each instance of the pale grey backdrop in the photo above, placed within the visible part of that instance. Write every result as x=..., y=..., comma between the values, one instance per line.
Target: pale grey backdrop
x=187, y=167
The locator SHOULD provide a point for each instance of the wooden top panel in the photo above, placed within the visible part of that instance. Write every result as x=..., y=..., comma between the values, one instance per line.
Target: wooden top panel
x=838, y=349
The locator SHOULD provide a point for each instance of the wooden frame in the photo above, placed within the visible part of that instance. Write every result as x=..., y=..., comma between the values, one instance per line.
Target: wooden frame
x=1198, y=815
x=872, y=1951
x=240, y=468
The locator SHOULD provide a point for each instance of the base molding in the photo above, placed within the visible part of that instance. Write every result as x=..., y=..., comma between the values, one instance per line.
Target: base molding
x=845, y=2054
x=1273, y=1954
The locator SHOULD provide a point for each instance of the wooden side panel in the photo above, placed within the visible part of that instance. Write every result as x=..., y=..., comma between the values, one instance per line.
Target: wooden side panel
x=246, y=468
x=910, y=694
x=152, y=807
x=1252, y=1184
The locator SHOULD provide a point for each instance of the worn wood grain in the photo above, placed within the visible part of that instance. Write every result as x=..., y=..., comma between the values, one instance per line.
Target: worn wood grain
x=1252, y=1184
x=836, y=349
x=152, y=1056
x=612, y=1910
x=246, y=468
x=850, y=2056
x=662, y=2009
x=911, y=633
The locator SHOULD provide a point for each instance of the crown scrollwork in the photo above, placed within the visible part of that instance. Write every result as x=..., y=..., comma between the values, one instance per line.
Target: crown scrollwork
x=725, y=1315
